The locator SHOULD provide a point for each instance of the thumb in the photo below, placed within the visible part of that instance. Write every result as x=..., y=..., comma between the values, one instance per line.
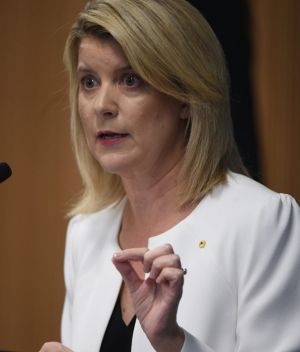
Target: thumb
x=129, y=275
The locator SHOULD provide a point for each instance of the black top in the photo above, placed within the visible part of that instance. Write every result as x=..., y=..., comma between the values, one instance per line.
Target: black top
x=118, y=336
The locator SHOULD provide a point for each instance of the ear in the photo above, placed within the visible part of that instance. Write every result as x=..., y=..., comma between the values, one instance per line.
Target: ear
x=185, y=111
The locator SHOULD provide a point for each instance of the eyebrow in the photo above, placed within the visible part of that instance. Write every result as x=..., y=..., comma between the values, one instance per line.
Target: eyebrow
x=82, y=68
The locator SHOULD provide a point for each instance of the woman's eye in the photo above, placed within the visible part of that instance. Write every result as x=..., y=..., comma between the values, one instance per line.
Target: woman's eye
x=132, y=80
x=88, y=82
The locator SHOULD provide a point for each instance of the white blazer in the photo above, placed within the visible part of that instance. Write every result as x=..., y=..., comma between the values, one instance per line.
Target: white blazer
x=242, y=288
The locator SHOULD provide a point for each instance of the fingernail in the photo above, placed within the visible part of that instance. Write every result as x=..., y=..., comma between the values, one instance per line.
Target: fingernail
x=117, y=255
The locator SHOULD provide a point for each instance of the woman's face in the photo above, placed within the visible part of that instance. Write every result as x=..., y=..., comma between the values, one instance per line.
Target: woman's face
x=130, y=127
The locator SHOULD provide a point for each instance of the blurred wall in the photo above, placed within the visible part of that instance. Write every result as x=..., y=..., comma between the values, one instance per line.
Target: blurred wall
x=34, y=139
x=276, y=73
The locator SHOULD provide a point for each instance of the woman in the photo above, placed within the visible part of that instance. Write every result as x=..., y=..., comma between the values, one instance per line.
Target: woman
x=165, y=195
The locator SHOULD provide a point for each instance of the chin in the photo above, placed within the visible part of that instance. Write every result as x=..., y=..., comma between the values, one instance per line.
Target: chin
x=118, y=167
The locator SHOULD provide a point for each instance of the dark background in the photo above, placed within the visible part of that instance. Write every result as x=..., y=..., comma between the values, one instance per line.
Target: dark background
x=231, y=22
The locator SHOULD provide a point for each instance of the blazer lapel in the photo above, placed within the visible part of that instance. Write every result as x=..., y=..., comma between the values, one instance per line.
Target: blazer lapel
x=97, y=291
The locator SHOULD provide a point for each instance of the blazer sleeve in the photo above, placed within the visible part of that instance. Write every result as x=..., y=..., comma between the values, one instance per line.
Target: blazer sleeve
x=269, y=285
x=269, y=282
x=192, y=344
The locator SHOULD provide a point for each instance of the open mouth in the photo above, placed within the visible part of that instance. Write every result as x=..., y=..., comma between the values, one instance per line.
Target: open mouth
x=111, y=137
x=106, y=135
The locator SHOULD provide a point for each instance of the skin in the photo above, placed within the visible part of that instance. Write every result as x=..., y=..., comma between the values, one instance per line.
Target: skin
x=112, y=97
x=54, y=347
x=156, y=298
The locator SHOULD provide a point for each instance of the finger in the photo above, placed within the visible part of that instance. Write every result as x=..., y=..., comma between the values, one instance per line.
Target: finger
x=51, y=347
x=165, y=261
x=54, y=347
x=174, y=277
x=131, y=254
x=152, y=254
x=129, y=275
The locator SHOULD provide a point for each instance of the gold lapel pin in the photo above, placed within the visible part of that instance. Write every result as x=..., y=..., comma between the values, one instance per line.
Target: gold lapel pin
x=202, y=244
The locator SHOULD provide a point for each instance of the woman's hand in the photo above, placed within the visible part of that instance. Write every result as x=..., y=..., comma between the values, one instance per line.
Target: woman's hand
x=155, y=298
x=54, y=347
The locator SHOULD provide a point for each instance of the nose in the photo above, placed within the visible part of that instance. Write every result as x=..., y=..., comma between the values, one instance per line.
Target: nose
x=105, y=103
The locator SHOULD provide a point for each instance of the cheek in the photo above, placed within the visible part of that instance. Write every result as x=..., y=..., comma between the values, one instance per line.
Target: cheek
x=82, y=108
x=84, y=113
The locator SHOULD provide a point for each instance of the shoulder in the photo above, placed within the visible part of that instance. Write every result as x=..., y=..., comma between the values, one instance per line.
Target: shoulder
x=89, y=230
x=243, y=217
x=263, y=223
x=245, y=199
x=102, y=218
x=242, y=189
x=249, y=229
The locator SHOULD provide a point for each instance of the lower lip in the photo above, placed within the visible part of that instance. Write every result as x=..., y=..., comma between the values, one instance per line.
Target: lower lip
x=112, y=141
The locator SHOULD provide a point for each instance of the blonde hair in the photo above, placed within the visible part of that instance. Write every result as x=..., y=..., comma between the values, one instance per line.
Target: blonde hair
x=172, y=47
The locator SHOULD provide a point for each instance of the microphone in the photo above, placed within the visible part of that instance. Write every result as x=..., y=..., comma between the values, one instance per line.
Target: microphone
x=5, y=172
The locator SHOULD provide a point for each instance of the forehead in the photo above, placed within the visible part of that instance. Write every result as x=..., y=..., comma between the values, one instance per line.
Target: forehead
x=101, y=51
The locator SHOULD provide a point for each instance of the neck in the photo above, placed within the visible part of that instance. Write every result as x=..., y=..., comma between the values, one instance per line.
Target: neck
x=151, y=208
x=143, y=191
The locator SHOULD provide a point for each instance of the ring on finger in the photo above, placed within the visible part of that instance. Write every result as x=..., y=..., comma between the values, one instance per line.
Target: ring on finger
x=184, y=270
